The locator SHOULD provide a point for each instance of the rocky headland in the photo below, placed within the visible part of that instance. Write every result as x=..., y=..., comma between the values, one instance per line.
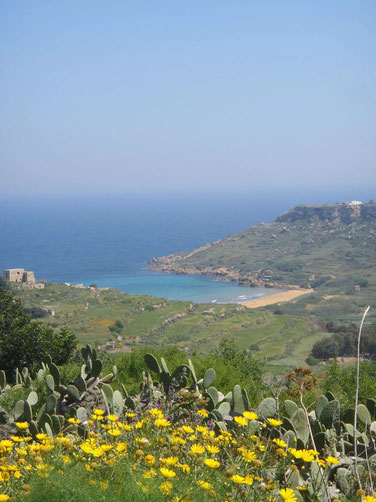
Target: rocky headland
x=306, y=245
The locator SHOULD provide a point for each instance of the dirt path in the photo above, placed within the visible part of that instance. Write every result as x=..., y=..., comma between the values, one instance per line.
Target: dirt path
x=279, y=297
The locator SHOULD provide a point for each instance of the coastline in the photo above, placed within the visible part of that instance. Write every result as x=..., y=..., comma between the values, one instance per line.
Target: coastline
x=278, y=298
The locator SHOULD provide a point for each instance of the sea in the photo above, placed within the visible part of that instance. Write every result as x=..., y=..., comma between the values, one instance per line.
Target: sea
x=107, y=239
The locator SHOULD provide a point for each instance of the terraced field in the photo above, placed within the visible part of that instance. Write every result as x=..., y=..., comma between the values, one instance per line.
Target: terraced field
x=117, y=322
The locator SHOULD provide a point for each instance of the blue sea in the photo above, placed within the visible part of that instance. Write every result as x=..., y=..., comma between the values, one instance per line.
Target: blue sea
x=108, y=239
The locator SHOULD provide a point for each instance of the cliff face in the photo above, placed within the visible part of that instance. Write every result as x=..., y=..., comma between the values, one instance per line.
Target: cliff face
x=306, y=244
x=338, y=213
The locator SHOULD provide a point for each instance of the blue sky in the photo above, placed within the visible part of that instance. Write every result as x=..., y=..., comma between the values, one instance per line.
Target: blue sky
x=117, y=95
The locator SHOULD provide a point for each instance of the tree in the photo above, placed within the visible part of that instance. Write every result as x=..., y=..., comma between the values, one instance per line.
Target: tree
x=24, y=342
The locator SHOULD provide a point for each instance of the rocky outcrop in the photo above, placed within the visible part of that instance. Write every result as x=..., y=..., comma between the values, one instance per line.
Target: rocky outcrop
x=170, y=265
x=340, y=213
x=299, y=244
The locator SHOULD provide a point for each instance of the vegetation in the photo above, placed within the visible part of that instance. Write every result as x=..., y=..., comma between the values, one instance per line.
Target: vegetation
x=100, y=317
x=330, y=248
x=24, y=342
x=343, y=342
x=179, y=438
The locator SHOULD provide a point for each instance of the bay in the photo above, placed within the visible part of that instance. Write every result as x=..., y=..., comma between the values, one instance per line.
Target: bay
x=108, y=239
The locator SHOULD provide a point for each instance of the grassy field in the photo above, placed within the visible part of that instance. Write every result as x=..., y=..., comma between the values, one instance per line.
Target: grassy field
x=278, y=340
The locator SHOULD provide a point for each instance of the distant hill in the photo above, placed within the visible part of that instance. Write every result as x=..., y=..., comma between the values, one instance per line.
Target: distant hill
x=309, y=246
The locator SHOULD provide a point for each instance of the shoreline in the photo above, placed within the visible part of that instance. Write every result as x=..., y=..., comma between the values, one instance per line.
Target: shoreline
x=277, y=298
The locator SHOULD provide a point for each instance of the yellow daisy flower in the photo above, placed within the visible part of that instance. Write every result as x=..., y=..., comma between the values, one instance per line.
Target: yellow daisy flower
x=213, y=464
x=273, y=422
x=250, y=415
x=167, y=473
x=288, y=494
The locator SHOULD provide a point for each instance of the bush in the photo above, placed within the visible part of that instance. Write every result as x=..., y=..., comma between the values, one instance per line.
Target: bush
x=149, y=308
x=24, y=342
x=312, y=361
x=290, y=265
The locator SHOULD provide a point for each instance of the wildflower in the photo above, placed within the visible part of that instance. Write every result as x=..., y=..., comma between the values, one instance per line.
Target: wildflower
x=22, y=425
x=150, y=474
x=166, y=487
x=187, y=429
x=204, y=485
x=248, y=456
x=167, y=473
x=97, y=417
x=178, y=440
x=321, y=462
x=332, y=460
x=280, y=443
x=162, y=422
x=197, y=449
x=248, y=479
x=368, y=498
x=6, y=444
x=103, y=485
x=142, y=441
x=305, y=455
x=241, y=421
x=156, y=413
x=112, y=418
x=114, y=432
x=203, y=430
x=149, y=460
x=288, y=494
x=44, y=470
x=203, y=413
x=73, y=420
x=250, y=415
x=237, y=479
x=121, y=447
x=98, y=452
x=4, y=496
x=273, y=422
x=171, y=461
x=98, y=411
x=212, y=449
x=213, y=464
x=184, y=467
x=17, y=439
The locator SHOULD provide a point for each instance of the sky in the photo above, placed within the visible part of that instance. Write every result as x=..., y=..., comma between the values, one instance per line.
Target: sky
x=162, y=95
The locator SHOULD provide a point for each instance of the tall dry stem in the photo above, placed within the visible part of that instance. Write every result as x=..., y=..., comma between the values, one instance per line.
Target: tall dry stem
x=357, y=397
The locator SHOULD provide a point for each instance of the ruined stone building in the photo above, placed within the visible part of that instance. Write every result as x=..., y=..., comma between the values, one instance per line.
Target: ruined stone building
x=20, y=275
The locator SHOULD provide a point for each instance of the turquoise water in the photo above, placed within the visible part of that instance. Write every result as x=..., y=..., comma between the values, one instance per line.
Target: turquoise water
x=197, y=289
x=109, y=239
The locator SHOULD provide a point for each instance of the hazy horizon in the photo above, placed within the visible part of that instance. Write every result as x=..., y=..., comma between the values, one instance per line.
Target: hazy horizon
x=121, y=96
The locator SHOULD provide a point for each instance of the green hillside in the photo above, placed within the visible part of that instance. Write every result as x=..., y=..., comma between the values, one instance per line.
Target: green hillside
x=117, y=322
x=330, y=248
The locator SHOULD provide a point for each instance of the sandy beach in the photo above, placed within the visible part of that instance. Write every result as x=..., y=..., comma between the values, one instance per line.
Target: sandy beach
x=278, y=298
